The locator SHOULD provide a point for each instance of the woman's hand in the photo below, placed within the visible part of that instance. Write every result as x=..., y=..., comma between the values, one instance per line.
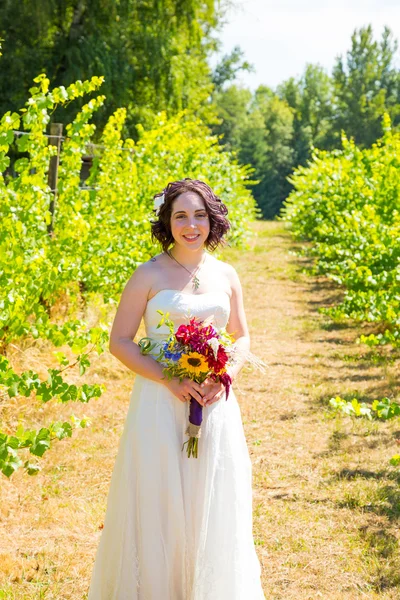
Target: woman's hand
x=184, y=389
x=212, y=391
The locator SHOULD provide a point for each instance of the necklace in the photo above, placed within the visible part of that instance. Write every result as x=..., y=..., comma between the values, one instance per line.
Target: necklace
x=193, y=276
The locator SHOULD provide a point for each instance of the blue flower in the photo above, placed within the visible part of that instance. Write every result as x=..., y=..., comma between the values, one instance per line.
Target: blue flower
x=175, y=356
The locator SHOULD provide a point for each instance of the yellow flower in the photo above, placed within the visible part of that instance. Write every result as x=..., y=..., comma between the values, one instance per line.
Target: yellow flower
x=193, y=363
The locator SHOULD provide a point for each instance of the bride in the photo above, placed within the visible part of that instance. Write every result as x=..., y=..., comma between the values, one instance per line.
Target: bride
x=179, y=528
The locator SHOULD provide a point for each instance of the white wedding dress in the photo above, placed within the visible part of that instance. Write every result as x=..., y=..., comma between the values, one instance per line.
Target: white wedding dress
x=178, y=528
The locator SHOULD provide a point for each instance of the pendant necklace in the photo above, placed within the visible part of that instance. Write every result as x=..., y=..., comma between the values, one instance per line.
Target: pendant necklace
x=193, y=276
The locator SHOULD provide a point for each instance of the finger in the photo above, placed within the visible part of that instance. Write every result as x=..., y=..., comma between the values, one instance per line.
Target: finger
x=206, y=382
x=209, y=391
x=212, y=392
x=196, y=386
x=197, y=396
x=213, y=399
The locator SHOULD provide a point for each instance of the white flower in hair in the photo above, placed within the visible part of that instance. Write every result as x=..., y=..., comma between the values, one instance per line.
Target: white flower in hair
x=158, y=202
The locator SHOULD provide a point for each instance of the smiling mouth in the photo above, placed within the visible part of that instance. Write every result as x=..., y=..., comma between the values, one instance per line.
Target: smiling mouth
x=191, y=238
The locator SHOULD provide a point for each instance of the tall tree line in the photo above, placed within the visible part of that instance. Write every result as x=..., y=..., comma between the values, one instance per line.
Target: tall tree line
x=155, y=55
x=152, y=53
x=275, y=130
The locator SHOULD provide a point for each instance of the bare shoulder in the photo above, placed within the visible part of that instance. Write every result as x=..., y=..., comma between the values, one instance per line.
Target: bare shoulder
x=228, y=272
x=146, y=273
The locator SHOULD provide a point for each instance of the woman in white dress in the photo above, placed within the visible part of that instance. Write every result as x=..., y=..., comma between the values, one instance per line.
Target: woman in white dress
x=179, y=528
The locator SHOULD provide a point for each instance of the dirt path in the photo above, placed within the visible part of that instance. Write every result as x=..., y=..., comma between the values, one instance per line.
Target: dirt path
x=326, y=503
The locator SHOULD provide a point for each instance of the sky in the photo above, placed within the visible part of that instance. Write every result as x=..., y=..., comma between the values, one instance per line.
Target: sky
x=280, y=37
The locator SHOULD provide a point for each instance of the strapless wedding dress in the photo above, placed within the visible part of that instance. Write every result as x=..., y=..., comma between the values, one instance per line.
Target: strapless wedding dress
x=178, y=528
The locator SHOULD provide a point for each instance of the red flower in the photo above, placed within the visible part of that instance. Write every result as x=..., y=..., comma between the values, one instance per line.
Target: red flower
x=217, y=364
x=226, y=381
x=182, y=334
x=195, y=335
x=185, y=332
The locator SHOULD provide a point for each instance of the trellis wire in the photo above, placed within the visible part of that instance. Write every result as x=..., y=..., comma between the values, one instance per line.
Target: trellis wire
x=63, y=138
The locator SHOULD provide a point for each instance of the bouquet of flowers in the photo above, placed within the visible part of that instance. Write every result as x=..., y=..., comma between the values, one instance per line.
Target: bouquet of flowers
x=197, y=351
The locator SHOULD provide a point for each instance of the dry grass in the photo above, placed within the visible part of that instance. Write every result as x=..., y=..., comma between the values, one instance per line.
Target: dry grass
x=326, y=502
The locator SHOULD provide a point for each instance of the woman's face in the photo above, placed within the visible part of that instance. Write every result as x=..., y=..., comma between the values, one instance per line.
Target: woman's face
x=190, y=224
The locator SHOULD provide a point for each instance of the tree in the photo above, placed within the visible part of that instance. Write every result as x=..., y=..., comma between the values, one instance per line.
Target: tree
x=232, y=108
x=367, y=85
x=312, y=101
x=260, y=128
x=152, y=53
x=278, y=157
x=228, y=68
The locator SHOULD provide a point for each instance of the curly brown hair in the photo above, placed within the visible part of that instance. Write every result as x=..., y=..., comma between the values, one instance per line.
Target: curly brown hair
x=216, y=210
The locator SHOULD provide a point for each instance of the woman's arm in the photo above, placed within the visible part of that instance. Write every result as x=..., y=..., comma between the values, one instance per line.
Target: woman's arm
x=126, y=323
x=237, y=327
x=237, y=324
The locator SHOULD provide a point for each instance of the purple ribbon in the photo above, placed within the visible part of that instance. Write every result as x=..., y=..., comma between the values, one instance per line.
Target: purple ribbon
x=196, y=412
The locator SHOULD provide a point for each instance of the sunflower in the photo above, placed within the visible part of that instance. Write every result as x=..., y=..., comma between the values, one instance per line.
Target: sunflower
x=194, y=363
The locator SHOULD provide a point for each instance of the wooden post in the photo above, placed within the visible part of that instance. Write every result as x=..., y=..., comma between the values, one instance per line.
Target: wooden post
x=54, y=140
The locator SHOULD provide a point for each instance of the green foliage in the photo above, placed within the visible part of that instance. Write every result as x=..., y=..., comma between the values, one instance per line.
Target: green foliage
x=277, y=130
x=34, y=266
x=367, y=86
x=233, y=107
x=276, y=161
x=152, y=53
x=395, y=460
x=262, y=130
x=312, y=99
x=100, y=232
x=347, y=204
x=230, y=65
x=38, y=443
x=386, y=408
x=55, y=387
x=383, y=409
x=352, y=408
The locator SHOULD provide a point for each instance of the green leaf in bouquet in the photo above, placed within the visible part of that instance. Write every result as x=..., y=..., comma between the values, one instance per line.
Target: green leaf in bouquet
x=146, y=345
